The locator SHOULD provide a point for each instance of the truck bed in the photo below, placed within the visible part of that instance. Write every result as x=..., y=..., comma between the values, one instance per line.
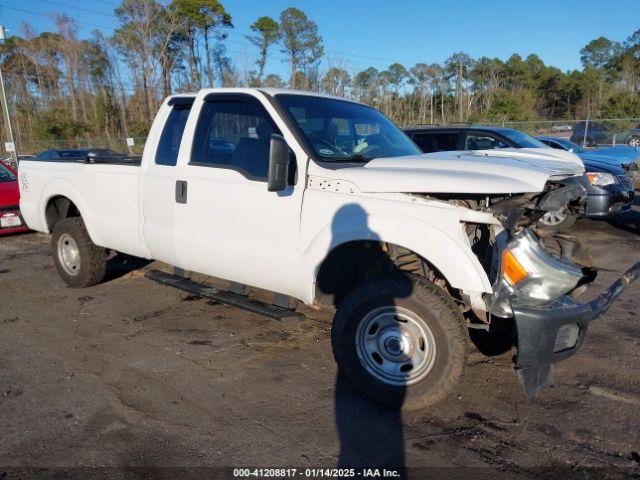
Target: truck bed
x=106, y=190
x=129, y=160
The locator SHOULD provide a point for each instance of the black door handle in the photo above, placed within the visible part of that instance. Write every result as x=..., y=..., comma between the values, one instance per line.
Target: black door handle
x=181, y=191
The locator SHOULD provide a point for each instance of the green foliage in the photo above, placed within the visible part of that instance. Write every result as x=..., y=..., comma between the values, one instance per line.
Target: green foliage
x=622, y=105
x=300, y=40
x=201, y=14
x=512, y=105
x=597, y=53
x=274, y=81
x=139, y=129
x=56, y=125
x=268, y=34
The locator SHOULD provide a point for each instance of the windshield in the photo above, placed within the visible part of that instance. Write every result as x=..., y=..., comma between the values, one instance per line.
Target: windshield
x=340, y=130
x=6, y=175
x=522, y=139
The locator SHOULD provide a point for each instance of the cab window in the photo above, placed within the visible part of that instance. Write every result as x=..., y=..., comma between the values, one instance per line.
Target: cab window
x=482, y=142
x=234, y=134
x=169, y=145
x=436, y=141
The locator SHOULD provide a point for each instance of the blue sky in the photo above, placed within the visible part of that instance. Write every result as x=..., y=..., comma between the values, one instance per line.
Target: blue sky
x=377, y=33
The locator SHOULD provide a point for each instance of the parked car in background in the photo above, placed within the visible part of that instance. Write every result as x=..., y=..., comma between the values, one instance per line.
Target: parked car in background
x=77, y=153
x=597, y=134
x=627, y=158
x=561, y=128
x=11, y=220
x=8, y=161
x=610, y=189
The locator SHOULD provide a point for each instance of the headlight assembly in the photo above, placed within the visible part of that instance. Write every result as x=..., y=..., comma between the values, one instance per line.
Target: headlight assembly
x=530, y=276
x=601, y=179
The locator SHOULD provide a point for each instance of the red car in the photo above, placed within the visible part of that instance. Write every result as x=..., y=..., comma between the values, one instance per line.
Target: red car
x=10, y=219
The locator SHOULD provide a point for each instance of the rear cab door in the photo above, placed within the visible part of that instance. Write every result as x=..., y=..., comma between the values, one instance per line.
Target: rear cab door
x=160, y=160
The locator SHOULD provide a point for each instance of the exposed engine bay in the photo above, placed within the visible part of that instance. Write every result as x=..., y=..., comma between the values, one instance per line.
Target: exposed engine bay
x=546, y=265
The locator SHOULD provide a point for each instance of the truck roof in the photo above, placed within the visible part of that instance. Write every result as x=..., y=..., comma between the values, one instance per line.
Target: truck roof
x=268, y=90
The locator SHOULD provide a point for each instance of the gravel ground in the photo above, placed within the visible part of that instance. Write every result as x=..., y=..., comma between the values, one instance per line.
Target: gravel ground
x=130, y=379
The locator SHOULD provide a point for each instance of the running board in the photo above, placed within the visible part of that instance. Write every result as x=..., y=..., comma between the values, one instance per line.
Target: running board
x=243, y=302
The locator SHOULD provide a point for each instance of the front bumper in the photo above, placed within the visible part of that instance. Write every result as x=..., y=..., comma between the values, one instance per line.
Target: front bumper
x=611, y=202
x=538, y=330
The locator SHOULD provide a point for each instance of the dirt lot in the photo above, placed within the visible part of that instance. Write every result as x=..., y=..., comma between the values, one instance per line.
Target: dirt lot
x=133, y=374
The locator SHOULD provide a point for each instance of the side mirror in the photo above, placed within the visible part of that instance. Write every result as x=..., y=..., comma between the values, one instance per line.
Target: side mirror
x=278, y=163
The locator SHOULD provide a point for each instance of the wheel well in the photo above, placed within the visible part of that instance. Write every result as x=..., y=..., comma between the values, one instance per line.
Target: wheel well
x=58, y=208
x=351, y=263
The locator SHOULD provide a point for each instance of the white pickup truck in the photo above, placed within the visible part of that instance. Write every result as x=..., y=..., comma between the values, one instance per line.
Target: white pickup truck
x=326, y=201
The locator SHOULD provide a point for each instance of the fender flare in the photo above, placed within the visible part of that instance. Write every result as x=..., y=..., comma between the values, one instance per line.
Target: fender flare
x=423, y=238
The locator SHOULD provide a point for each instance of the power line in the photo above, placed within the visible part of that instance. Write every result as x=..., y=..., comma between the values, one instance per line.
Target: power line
x=244, y=35
x=232, y=32
x=49, y=17
x=80, y=8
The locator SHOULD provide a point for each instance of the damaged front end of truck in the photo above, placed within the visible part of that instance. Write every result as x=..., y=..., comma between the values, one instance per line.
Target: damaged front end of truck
x=536, y=275
x=537, y=281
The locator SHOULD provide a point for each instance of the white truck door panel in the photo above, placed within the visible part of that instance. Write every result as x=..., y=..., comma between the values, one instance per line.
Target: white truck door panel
x=159, y=183
x=230, y=226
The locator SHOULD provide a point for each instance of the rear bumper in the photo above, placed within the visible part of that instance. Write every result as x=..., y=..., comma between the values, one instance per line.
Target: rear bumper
x=13, y=229
x=538, y=328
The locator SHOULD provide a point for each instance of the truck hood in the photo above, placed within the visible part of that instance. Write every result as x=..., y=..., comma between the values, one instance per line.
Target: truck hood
x=476, y=172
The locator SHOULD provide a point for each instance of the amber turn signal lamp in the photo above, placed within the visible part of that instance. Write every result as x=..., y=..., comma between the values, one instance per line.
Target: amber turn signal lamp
x=512, y=271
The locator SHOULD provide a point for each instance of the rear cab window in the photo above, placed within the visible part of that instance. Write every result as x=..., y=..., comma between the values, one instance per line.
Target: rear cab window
x=169, y=144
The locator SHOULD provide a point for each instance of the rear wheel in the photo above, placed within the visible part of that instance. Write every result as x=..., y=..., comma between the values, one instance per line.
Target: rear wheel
x=557, y=220
x=400, y=342
x=78, y=260
x=634, y=141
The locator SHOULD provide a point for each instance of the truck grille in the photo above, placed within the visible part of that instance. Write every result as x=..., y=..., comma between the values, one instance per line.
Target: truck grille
x=626, y=182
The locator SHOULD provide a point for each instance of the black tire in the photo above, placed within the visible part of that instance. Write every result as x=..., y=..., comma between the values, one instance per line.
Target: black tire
x=92, y=263
x=433, y=307
x=633, y=141
x=556, y=227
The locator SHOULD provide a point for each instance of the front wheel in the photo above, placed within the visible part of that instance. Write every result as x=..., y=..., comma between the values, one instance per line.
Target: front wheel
x=557, y=220
x=401, y=342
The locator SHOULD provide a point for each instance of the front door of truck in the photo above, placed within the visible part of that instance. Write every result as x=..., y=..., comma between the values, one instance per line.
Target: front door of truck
x=230, y=226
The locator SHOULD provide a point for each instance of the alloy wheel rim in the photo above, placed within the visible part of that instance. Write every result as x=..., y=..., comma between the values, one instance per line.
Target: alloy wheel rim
x=395, y=346
x=69, y=254
x=553, y=218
